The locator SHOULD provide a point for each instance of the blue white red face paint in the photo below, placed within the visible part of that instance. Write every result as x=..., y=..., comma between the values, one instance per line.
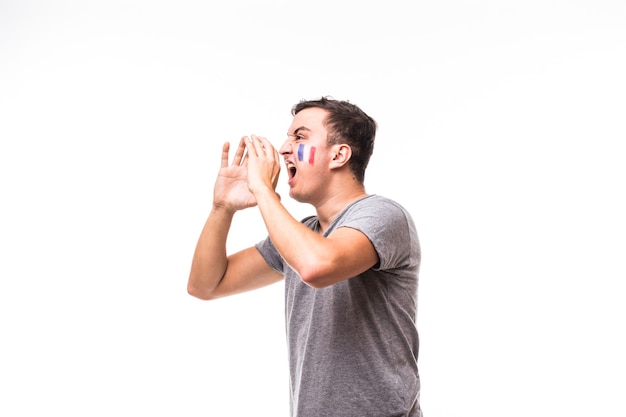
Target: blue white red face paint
x=306, y=153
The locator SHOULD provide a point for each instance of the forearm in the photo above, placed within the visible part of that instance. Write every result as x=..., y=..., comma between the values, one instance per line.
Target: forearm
x=210, y=259
x=290, y=236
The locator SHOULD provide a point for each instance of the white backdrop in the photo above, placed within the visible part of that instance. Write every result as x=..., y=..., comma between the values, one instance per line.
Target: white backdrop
x=501, y=130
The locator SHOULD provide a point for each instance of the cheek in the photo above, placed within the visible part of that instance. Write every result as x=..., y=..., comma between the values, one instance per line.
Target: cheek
x=306, y=153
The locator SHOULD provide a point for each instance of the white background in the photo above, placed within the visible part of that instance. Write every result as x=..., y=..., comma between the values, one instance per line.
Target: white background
x=502, y=128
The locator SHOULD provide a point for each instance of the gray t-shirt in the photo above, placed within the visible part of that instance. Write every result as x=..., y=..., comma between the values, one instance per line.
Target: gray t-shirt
x=353, y=346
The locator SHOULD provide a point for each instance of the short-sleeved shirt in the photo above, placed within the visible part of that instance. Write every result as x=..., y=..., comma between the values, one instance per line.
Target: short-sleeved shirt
x=353, y=346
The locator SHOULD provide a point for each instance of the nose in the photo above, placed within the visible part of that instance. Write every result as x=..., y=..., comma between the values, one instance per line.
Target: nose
x=286, y=148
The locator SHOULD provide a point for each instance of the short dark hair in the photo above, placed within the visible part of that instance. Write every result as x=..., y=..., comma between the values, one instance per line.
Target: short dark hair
x=346, y=123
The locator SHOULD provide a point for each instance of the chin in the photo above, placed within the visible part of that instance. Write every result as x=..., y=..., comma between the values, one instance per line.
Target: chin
x=299, y=198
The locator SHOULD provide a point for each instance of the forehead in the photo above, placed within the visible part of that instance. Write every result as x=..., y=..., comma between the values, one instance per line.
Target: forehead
x=311, y=119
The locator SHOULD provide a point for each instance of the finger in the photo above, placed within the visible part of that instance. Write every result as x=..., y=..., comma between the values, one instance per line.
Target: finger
x=275, y=153
x=277, y=161
x=239, y=155
x=225, y=149
x=265, y=144
x=254, y=148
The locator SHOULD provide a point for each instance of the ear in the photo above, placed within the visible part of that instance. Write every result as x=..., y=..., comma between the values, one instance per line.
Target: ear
x=341, y=154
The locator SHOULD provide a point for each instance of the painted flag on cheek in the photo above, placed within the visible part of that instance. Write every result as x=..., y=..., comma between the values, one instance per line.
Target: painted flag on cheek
x=306, y=153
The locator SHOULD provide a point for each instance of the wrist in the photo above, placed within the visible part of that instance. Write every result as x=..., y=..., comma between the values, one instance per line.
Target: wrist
x=266, y=194
x=222, y=210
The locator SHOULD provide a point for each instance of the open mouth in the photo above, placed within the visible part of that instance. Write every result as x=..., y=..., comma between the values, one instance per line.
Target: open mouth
x=291, y=169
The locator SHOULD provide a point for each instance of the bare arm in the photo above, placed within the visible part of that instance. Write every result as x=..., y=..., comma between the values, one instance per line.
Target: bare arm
x=344, y=254
x=214, y=274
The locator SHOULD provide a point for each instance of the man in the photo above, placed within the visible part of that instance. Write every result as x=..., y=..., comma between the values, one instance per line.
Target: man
x=350, y=271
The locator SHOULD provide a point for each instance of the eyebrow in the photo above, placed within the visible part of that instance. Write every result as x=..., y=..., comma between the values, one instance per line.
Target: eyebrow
x=295, y=132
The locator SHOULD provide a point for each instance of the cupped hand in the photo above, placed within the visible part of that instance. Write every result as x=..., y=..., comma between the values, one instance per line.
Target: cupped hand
x=231, y=187
x=263, y=164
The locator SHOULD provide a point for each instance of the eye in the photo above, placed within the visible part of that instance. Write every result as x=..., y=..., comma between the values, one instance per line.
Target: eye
x=295, y=136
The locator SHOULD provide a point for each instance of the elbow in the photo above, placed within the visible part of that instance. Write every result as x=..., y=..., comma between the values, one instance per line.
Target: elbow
x=198, y=291
x=194, y=292
x=322, y=273
x=314, y=278
x=313, y=282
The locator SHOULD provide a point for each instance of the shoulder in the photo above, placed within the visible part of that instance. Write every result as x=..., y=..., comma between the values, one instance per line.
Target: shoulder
x=379, y=206
x=390, y=228
x=375, y=214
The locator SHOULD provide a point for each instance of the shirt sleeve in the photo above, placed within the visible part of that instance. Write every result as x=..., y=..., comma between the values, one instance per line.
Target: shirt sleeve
x=268, y=251
x=390, y=229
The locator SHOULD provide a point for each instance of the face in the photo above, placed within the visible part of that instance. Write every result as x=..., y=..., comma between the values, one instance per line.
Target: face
x=306, y=154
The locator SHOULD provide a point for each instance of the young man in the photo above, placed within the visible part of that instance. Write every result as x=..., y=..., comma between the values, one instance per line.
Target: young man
x=350, y=271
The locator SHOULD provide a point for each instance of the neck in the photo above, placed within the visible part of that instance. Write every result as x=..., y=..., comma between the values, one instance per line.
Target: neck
x=333, y=204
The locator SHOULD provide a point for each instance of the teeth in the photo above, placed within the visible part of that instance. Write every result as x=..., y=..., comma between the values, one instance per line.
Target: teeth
x=291, y=168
